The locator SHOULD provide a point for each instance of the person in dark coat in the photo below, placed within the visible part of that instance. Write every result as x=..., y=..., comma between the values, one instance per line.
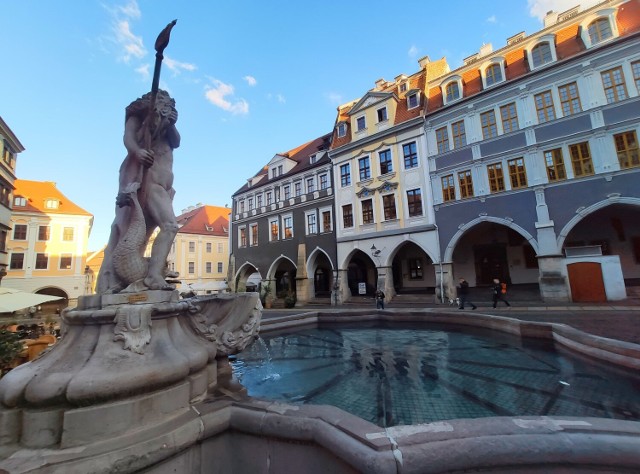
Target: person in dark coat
x=379, y=299
x=499, y=292
x=463, y=294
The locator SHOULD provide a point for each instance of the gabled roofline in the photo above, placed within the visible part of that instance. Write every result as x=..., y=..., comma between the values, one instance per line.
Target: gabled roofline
x=12, y=137
x=378, y=95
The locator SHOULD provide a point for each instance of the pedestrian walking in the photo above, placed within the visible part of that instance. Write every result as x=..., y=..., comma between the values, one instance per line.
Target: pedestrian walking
x=463, y=294
x=379, y=299
x=499, y=292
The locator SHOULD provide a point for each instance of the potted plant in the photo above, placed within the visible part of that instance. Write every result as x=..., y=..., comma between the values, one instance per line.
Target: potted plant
x=290, y=300
x=266, y=296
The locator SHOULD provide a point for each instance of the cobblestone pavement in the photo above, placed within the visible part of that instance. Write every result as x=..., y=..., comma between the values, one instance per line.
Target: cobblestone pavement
x=619, y=321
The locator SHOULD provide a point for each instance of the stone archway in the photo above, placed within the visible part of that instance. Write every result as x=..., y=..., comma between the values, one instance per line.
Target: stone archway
x=321, y=273
x=412, y=269
x=247, y=278
x=282, y=276
x=362, y=274
x=53, y=307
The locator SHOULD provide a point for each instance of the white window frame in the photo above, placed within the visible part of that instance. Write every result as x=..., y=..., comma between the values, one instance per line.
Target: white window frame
x=208, y=247
x=66, y=254
x=49, y=236
x=298, y=189
x=551, y=40
x=51, y=203
x=275, y=219
x=73, y=233
x=24, y=259
x=26, y=233
x=326, y=179
x=35, y=261
x=208, y=267
x=609, y=14
x=220, y=267
x=250, y=236
x=220, y=247
x=310, y=180
x=499, y=60
x=321, y=211
x=342, y=129
x=19, y=201
x=284, y=228
x=246, y=244
x=386, y=114
x=311, y=214
x=364, y=122
x=443, y=89
x=415, y=94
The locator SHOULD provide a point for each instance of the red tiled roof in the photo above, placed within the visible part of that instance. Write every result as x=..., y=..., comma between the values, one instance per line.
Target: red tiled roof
x=38, y=192
x=205, y=220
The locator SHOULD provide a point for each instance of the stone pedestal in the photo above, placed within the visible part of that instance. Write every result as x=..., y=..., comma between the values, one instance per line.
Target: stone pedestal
x=553, y=282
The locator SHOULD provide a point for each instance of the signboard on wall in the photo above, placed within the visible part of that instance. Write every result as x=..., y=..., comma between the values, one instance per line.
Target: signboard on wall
x=362, y=288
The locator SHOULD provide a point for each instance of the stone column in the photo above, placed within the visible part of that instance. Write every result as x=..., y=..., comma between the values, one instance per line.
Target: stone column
x=444, y=272
x=385, y=282
x=343, y=292
x=303, y=290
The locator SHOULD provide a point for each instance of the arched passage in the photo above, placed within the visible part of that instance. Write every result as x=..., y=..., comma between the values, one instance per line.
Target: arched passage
x=361, y=273
x=283, y=273
x=53, y=307
x=412, y=269
x=247, y=278
x=321, y=269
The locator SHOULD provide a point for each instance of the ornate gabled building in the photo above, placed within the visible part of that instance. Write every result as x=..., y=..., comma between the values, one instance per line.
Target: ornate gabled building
x=200, y=250
x=48, y=243
x=282, y=226
x=522, y=165
x=10, y=146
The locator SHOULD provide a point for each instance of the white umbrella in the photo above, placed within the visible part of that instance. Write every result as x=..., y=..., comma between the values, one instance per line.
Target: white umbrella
x=12, y=300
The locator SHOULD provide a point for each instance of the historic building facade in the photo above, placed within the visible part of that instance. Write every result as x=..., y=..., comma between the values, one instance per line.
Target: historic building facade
x=533, y=157
x=282, y=226
x=10, y=146
x=48, y=242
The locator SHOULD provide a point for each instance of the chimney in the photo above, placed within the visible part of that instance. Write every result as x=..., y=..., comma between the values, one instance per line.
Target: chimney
x=550, y=18
x=424, y=61
x=380, y=83
x=486, y=49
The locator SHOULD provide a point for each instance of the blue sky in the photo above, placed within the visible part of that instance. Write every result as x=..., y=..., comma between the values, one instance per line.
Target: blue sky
x=250, y=78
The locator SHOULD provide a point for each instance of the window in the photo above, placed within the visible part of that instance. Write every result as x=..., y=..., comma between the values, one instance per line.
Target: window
x=279, y=170
x=367, y=211
x=17, y=261
x=415, y=269
x=274, y=229
x=414, y=201
x=192, y=267
x=345, y=175
x=241, y=206
x=277, y=194
x=67, y=234
x=207, y=267
x=581, y=159
x=342, y=129
x=459, y=134
x=208, y=247
x=313, y=159
x=412, y=101
x=65, y=261
x=541, y=54
x=19, y=201
x=20, y=232
x=448, y=188
x=382, y=114
x=389, y=205
x=544, y=107
x=627, y=149
x=403, y=87
x=614, y=87
x=347, y=216
x=386, y=166
x=3, y=240
x=466, y=184
x=287, y=191
x=517, y=173
x=250, y=203
x=326, y=221
x=599, y=31
x=42, y=261
x=509, y=117
x=489, y=128
x=192, y=247
x=51, y=204
x=297, y=188
x=442, y=139
x=569, y=99
x=220, y=267
x=496, y=177
x=410, y=155
x=220, y=248
x=253, y=229
x=452, y=91
x=554, y=164
x=44, y=232
x=324, y=181
x=288, y=227
x=312, y=224
x=311, y=185
x=361, y=123
x=635, y=67
x=243, y=236
x=259, y=200
x=493, y=74
x=269, y=198
x=365, y=169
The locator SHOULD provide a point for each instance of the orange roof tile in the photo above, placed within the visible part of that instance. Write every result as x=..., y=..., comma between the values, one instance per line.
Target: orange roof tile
x=37, y=193
x=205, y=220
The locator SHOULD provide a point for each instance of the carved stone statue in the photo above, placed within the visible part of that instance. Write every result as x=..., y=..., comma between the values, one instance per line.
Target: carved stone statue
x=144, y=200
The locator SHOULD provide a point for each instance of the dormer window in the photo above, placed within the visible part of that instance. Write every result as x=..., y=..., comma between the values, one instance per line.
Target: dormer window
x=542, y=52
x=19, y=201
x=382, y=114
x=342, y=129
x=413, y=100
x=313, y=159
x=361, y=123
x=51, y=204
x=599, y=27
x=451, y=89
x=492, y=72
x=403, y=87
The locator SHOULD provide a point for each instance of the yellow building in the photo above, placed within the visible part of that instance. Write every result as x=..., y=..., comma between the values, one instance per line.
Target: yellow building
x=200, y=251
x=10, y=146
x=47, y=245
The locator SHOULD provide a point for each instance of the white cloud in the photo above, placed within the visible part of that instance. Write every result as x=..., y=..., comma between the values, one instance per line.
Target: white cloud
x=250, y=80
x=130, y=44
x=177, y=66
x=219, y=93
x=130, y=10
x=539, y=8
x=280, y=98
x=413, y=51
x=334, y=98
x=491, y=19
x=143, y=70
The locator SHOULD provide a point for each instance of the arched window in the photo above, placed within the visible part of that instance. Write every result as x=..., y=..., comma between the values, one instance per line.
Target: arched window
x=541, y=54
x=493, y=74
x=452, y=91
x=599, y=30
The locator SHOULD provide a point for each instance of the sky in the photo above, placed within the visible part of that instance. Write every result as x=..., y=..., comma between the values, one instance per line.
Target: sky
x=250, y=78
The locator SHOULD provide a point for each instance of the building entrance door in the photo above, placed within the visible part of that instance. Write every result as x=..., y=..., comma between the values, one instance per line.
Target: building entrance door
x=585, y=280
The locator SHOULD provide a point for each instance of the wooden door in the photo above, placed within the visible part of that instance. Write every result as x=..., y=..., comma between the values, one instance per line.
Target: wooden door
x=585, y=280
